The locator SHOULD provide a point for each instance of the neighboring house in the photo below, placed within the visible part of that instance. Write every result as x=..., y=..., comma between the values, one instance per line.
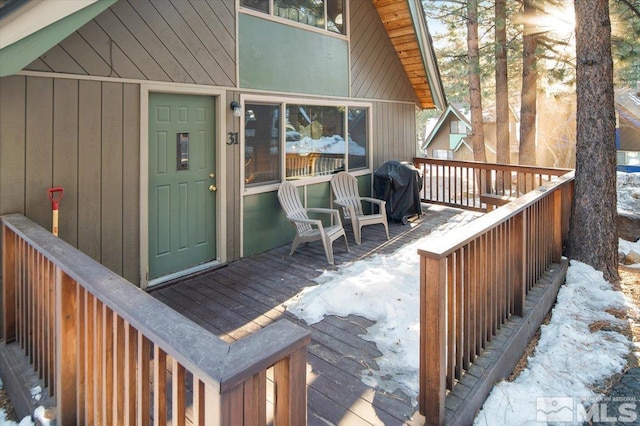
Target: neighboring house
x=171, y=124
x=489, y=128
x=450, y=138
x=627, y=104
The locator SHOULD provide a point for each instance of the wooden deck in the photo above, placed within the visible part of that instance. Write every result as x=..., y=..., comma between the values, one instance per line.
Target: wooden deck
x=240, y=298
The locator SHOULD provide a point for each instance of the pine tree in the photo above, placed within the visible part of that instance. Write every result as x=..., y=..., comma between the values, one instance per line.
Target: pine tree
x=593, y=236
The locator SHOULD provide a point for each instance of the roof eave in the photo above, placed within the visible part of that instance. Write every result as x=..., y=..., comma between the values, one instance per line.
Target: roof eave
x=428, y=54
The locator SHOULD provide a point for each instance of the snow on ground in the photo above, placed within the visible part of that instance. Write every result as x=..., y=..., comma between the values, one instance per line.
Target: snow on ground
x=567, y=361
x=383, y=288
x=568, y=358
x=628, y=188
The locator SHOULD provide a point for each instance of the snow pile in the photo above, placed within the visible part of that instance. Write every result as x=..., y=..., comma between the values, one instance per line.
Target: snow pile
x=569, y=359
x=628, y=188
x=628, y=250
x=326, y=145
x=385, y=289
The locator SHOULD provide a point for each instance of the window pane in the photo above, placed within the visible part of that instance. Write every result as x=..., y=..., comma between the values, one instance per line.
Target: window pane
x=358, y=138
x=315, y=144
x=262, y=140
x=335, y=16
x=261, y=5
x=310, y=12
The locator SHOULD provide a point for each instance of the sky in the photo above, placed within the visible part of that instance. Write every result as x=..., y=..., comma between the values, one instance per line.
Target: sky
x=568, y=360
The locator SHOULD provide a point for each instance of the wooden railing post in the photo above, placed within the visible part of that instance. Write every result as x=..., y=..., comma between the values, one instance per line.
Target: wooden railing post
x=290, y=389
x=519, y=254
x=8, y=284
x=557, y=225
x=66, y=363
x=433, y=321
x=96, y=338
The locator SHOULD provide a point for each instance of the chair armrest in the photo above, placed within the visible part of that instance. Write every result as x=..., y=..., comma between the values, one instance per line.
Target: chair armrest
x=332, y=212
x=315, y=222
x=374, y=200
x=343, y=202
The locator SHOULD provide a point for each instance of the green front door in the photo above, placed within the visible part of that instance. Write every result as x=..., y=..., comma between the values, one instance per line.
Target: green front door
x=182, y=197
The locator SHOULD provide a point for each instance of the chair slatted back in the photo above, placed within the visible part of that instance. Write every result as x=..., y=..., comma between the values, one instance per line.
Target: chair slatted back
x=289, y=198
x=345, y=187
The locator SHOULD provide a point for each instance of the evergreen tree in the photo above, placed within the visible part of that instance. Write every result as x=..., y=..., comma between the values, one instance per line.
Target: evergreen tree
x=502, y=85
x=475, y=96
x=593, y=235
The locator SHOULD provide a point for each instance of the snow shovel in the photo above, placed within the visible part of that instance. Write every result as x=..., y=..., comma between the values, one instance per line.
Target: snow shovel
x=55, y=195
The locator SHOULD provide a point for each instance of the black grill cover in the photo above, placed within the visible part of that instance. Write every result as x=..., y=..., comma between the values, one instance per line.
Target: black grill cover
x=399, y=183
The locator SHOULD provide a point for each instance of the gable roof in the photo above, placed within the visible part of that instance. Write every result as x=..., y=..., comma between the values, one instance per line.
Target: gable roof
x=451, y=110
x=407, y=28
x=29, y=28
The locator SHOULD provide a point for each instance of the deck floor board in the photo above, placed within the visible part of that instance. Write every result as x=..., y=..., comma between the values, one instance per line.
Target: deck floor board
x=236, y=300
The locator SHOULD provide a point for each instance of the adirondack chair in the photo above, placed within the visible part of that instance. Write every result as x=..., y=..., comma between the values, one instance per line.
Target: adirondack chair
x=308, y=230
x=345, y=191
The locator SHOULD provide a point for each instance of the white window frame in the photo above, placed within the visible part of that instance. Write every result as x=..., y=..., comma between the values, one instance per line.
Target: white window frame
x=270, y=16
x=282, y=101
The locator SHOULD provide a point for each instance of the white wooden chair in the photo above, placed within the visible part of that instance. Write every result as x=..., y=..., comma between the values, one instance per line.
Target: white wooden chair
x=345, y=191
x=308, y=230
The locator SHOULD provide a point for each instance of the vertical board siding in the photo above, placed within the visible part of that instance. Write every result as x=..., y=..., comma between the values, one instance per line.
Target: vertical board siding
x=394, y=133
x=131, y=182
x=89, y=150
x=39, y=149
x=111, y=171
x=12, y=144
x=376, y=70
x=83, y=136
x=65, y=152
x=169, y=40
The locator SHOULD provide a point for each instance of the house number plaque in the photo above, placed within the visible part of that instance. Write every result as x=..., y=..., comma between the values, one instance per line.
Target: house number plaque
x=182, y=158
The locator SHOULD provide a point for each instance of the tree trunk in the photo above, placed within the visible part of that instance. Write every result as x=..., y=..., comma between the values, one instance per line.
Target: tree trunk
x=593, y=235
x=502, y=88
x=503, y=138
x=475, y=95
x=528, y=109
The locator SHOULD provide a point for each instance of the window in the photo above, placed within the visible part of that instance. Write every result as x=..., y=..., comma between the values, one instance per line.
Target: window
x=323, y=14
x=296, y=141
x=458, y=127
x=443, y=154
x=262, y=143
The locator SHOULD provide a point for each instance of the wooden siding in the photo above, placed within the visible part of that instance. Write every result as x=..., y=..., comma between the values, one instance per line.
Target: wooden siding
x=170, y=40
x=83, y=136
x=394, y=133
x=396, y=17
x=376, y=70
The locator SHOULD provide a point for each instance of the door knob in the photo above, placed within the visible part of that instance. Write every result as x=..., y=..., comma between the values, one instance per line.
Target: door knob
x=212, y=188
x=212, y=175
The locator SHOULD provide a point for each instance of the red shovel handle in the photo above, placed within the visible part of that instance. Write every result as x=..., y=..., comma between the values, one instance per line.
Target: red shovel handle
x=55, y=195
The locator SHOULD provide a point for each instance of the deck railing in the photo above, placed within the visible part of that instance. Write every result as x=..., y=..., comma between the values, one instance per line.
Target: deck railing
x=478, y=186
x=109, y=353
x=473, y=280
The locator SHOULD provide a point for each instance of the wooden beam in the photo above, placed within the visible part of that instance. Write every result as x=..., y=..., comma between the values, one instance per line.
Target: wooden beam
x=433, y=296
x=65, y=343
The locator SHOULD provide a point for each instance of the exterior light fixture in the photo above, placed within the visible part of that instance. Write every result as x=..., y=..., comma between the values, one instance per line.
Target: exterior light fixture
x=237, y=109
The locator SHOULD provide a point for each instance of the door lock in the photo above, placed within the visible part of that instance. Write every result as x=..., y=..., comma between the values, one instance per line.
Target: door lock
x=212, y=188
x=212, y=175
